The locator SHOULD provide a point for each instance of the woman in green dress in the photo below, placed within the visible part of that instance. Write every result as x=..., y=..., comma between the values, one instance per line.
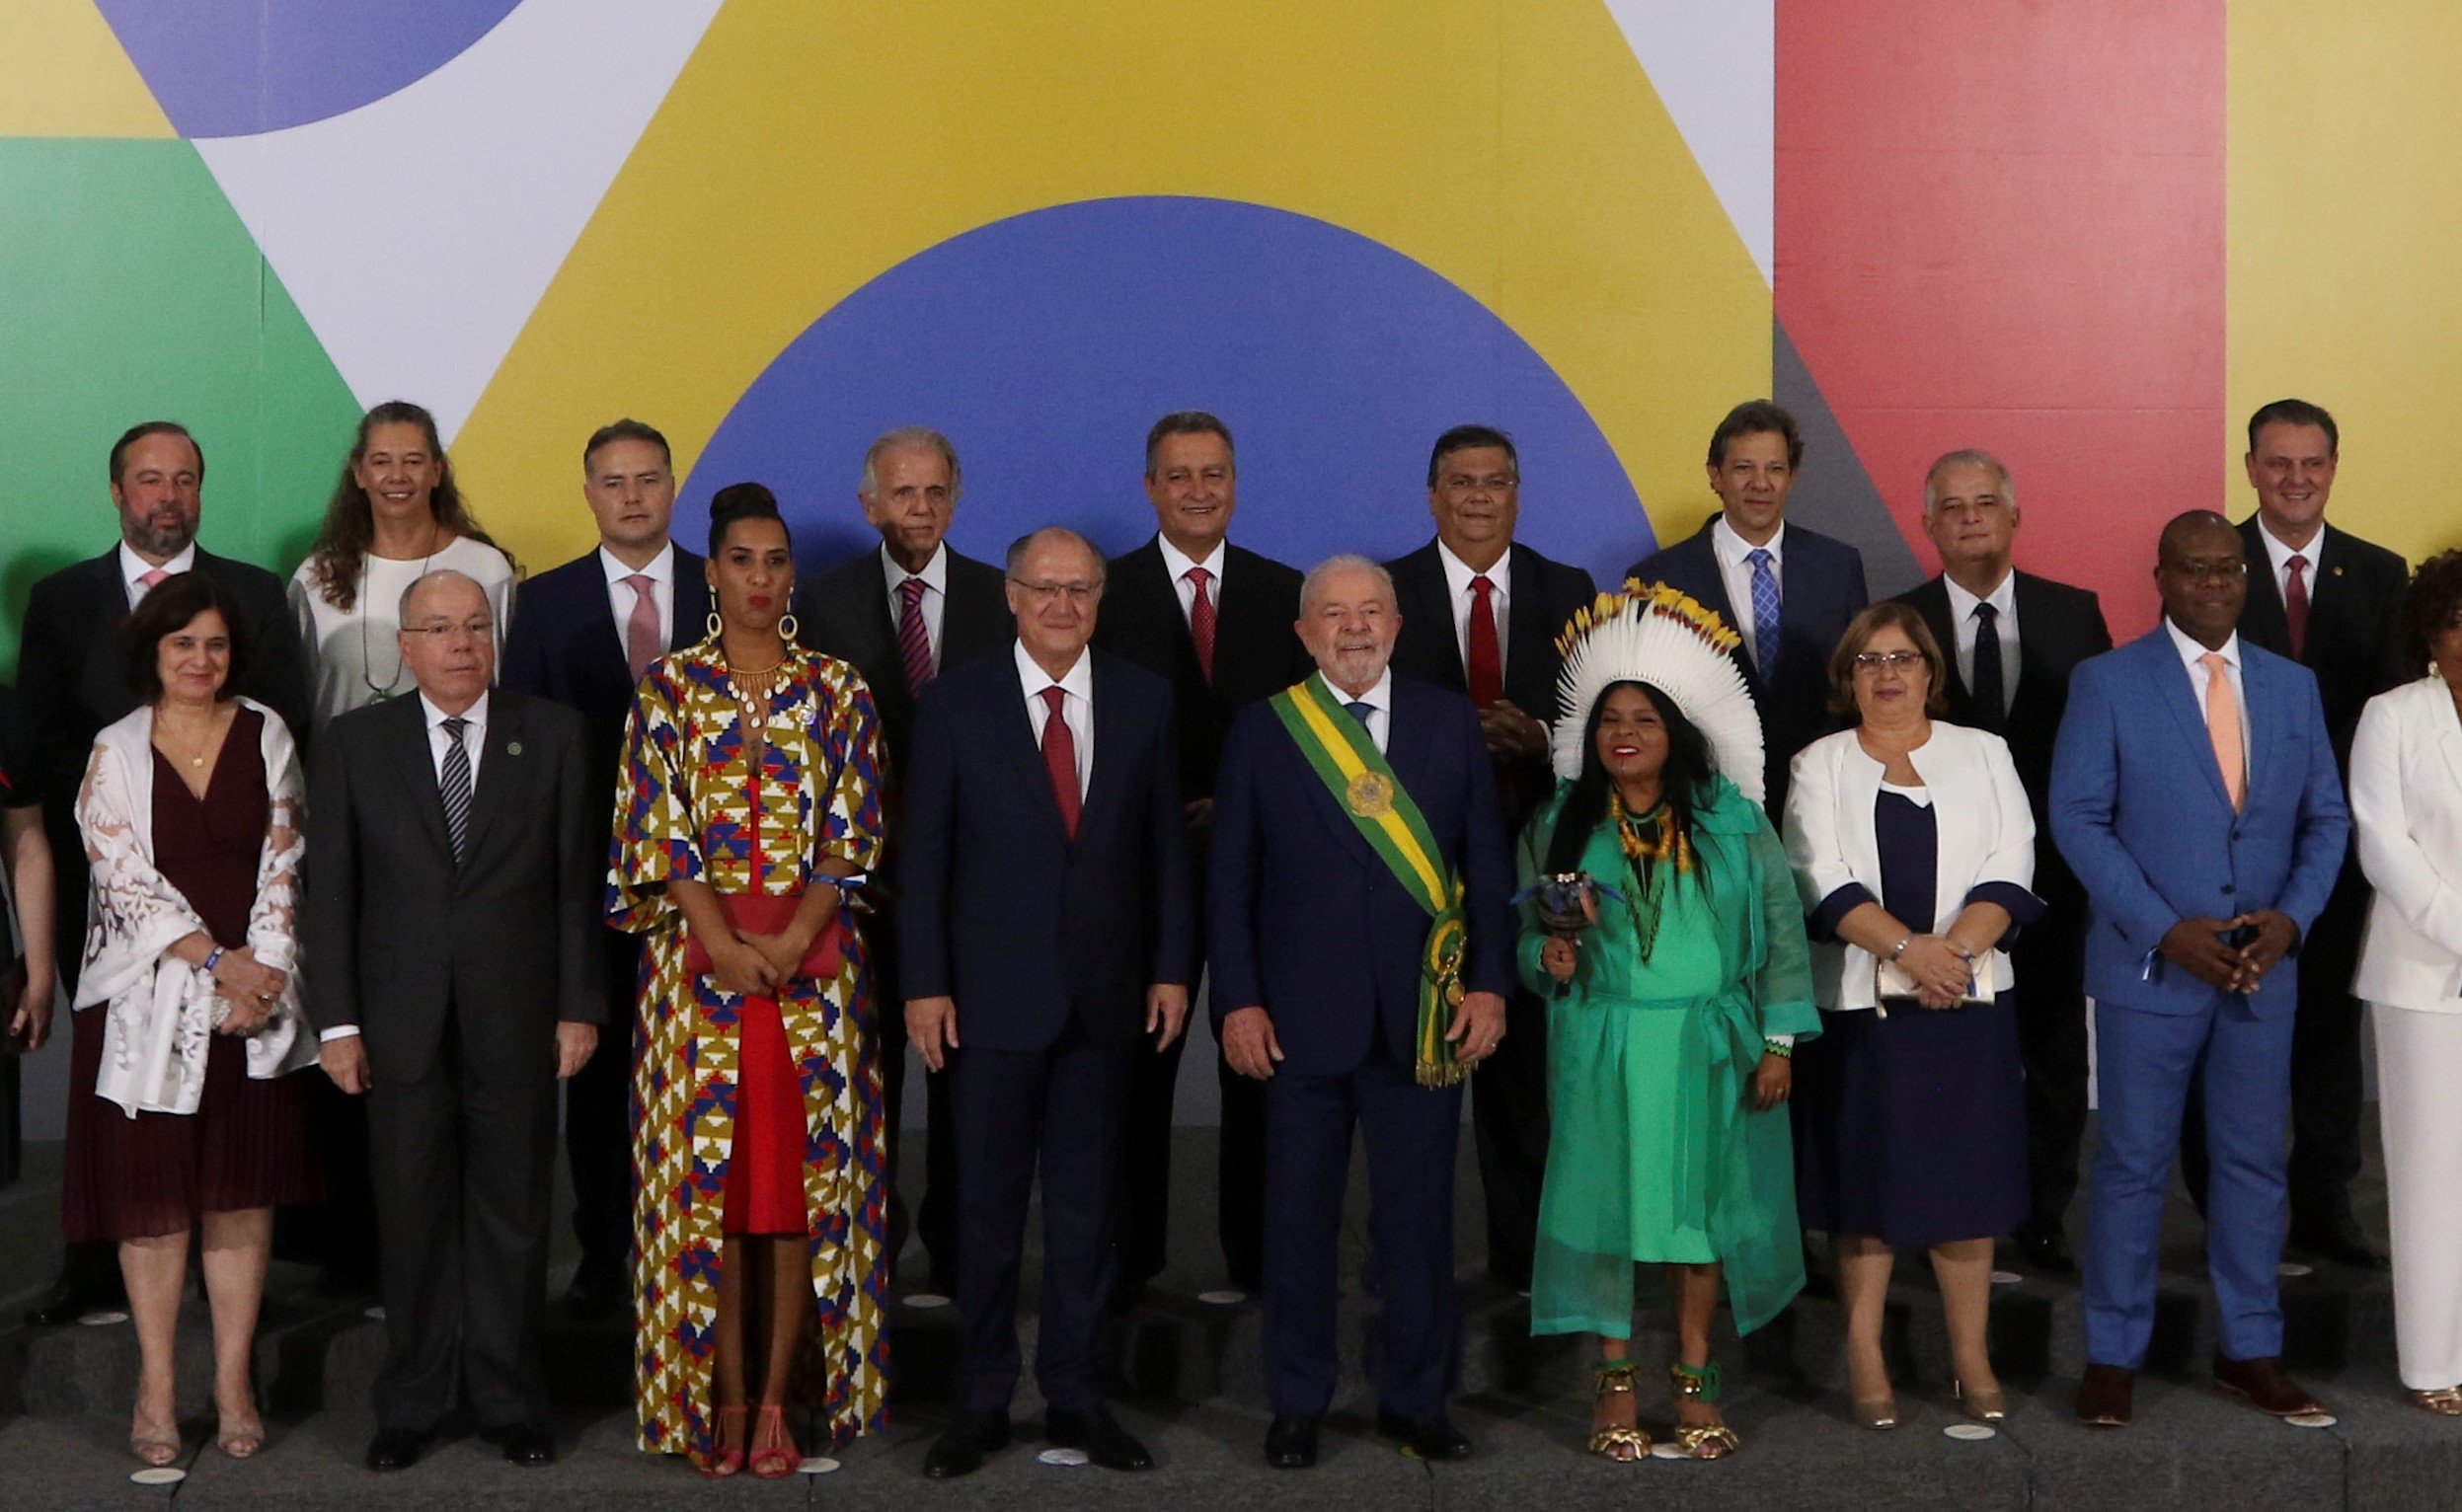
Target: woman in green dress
x=1662, y=921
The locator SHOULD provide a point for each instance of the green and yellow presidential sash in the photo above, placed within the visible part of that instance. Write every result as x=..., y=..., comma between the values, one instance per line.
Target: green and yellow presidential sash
x=1338, y=746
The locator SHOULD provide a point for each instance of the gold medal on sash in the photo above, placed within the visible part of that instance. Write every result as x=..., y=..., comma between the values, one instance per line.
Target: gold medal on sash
x=1370, y=794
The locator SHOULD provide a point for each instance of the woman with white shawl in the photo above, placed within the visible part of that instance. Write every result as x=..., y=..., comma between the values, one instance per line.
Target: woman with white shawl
x=188, y=1006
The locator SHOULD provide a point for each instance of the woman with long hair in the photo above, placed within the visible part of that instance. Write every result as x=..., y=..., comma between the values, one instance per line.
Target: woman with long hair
x=1662, y=923
x=748, y=811
x=395, y=515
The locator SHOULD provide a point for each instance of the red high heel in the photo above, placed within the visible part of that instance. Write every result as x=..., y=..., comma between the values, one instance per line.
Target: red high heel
x=721, y=1460
x=774, y=1458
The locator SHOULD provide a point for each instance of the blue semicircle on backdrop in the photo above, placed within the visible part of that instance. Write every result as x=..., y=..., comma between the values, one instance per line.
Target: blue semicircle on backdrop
x=1043, y=345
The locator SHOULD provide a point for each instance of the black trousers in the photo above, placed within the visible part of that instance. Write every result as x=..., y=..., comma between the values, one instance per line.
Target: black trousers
x=1509, y=1126
x=2050, y=958
x=1059, y=1110
x=2328, y=1082
x=463, y=1161
x=1146, y=1161
x=933, y=1220
x=598, y=1122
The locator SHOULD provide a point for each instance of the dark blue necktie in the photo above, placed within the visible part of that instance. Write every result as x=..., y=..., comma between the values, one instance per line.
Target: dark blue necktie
x=1991, y=698
x=1764, y=615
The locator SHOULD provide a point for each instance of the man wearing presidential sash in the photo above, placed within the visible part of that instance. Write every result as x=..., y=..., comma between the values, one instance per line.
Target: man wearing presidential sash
x=1361, y=944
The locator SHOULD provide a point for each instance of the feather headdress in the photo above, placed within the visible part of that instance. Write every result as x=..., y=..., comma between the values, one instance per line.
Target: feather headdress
x=1649, y=633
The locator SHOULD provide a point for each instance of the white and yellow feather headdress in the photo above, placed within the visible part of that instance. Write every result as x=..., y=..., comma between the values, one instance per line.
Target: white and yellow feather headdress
x=1651, y=634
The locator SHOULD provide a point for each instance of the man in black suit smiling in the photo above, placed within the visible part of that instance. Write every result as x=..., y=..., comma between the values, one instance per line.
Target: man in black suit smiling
x=1214, y=620
x=583, y=635
x=2012, y=639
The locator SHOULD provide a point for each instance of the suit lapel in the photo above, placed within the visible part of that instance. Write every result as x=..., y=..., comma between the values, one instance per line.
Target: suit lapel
x=1419, y=585
x=1016, y=735
x=502, y=771
x=2170, y=678
x=417, y=764
x=1529, y=640
x=1105, y=772
x=692, y=603
x=2261, y=618
x=1932, y=601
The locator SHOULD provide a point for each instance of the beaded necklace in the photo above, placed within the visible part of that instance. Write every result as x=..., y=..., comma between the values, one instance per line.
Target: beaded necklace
x=1655, y=851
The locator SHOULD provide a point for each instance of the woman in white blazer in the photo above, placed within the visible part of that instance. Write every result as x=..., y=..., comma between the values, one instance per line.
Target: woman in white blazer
x=1913, y=850
x=2406, y=798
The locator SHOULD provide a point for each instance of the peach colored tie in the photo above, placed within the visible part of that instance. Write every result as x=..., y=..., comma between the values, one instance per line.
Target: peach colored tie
x=2223, y=726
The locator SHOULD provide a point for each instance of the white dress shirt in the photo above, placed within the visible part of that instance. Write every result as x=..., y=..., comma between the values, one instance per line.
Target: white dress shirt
x=1736, y=575
x=2190, y=651
x=134, y=566
x=1380, y=702
x=660, y=572
x=1177, y=563
x=935, y=575
x=2280, y=555
x=1961, y=606
x=1076, y=705
x=1457, y=580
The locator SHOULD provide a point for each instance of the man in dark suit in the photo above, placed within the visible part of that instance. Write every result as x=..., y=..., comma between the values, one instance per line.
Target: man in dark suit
x=2195, y=794
x=583, y=635
x=453, y=908
x=2012, y=639
x=2332, y=603
x=1789, y=591
x=902, y=616
x=1319, y=936
x=1480, y=615
x=1215, y=622
x=72, y=677
x=1048, y=935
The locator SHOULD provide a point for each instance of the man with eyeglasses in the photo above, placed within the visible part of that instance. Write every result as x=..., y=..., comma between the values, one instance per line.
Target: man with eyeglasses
x=454, y=894
x=2012, y=639
x=903, y=614
x=1049, y=939
x=1214, y=620
x=1480, y=615
x=72, y=678
x=2194, y=793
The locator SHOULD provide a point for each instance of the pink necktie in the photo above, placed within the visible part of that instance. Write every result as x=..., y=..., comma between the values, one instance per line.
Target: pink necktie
x=640, y=626
x=914, y=642
x=1202, y=621
x=2223, y=726
x=1059, y=759
x=2295, y=605
x=147, y=579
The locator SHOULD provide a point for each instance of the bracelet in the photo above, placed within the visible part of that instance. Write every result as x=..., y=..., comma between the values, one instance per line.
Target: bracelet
x=213, y=958
x=1901, y=948
x=1784, y=1052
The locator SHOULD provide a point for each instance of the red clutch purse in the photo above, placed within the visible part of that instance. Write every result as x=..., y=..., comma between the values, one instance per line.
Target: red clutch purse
x=768, y=912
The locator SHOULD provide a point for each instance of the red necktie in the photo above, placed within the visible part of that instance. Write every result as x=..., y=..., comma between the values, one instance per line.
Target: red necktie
x=1059, y=760
x=1487, y=662
x=640, y=626
x=1202, y=621
x=914, y=642
x=2295, y=605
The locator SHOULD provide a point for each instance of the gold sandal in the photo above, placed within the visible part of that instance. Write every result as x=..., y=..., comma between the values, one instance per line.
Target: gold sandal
x=1701, y=1384
x=1620, y=1443
x=2446, y=1401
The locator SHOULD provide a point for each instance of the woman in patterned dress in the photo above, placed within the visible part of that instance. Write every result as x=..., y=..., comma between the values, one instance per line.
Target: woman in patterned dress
x=752, y=783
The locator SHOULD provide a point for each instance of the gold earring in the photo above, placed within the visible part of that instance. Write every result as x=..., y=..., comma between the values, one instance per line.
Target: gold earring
x=716, y=625
x=788, y=627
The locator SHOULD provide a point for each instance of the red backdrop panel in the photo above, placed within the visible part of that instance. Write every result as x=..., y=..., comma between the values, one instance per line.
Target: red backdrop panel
x=2001, y=225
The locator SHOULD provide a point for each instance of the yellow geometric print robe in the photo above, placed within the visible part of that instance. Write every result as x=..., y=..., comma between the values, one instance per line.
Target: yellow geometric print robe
x=685, y=811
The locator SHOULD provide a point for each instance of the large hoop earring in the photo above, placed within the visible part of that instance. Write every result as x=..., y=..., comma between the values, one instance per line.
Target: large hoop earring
x=716, y=625
x=788, y=628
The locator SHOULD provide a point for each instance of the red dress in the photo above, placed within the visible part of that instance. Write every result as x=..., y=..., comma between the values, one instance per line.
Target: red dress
x=764, y=1192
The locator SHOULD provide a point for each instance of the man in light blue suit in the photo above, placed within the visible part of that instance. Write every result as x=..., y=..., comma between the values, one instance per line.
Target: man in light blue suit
x=2194, y=792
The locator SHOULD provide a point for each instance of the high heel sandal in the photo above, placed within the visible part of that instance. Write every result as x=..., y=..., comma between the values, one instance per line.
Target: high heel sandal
x=242, y=1439
x=1701, y=1384
x=1621, y=1443
x=777, y=1458
x=1986, y=1403
x=155, y=1448
x=719, y=1460
x=2445, y=1401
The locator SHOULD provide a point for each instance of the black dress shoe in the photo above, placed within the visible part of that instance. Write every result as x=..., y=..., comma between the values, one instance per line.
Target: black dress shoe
x=77, y=1290
x=2340, y=1240
x=1291, y=1443
x=524, y=1443
x=395, y=1448
x=2047, y=1248
x=960, y=1451
x=1099, y=1435
x=1436, y=1439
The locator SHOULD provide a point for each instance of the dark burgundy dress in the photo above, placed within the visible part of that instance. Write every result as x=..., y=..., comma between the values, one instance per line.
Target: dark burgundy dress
x=247, y=1144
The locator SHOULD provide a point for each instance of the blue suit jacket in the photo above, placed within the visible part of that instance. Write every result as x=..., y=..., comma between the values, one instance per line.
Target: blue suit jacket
x=1307, y=920
x=1820, y=591
x=566, y=647
x=2139, y=811
x=998, y=907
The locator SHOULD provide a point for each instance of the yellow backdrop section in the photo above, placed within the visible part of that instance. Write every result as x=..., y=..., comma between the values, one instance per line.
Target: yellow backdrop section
x=63, y=73
x=2345, y=215
x=808, y=147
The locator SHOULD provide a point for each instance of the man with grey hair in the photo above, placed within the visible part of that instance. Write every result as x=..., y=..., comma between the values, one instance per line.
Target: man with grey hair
x=2011, y=639
x=1050, y=940
x=452, y=906
x=903, y=614
x=1361, y=946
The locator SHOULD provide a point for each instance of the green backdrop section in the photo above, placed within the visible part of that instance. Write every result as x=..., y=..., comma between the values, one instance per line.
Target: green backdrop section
x=131, y=291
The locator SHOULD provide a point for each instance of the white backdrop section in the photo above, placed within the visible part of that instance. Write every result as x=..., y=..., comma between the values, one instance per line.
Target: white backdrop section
x=1715, y=68
x=416, y=233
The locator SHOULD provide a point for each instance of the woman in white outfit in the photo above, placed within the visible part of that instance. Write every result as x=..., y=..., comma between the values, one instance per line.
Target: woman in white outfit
x=2405, y=797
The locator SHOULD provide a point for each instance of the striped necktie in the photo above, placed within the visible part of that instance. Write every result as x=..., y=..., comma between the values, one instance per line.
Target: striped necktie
x=454, y=787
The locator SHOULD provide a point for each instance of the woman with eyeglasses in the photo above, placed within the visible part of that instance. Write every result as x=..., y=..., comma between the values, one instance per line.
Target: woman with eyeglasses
x=394, y=517
x=1913, y=849
x=748, y=811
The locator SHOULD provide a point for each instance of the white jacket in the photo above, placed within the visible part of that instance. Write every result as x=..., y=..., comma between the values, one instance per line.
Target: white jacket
x=2405, y=800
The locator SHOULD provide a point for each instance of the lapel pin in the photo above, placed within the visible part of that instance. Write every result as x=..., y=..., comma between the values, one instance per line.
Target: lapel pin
x=2338, y=571
x=513, y=748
